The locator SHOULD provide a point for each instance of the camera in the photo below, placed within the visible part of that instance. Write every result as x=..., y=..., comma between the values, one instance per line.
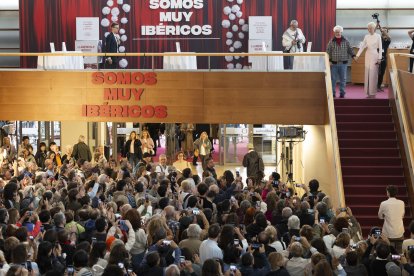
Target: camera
x=256, y=245
x=375, y=16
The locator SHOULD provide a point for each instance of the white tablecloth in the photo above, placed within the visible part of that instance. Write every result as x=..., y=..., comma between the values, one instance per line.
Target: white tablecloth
x=309, y=63
x=273, y=63
x=180, y=62
x=61, y=62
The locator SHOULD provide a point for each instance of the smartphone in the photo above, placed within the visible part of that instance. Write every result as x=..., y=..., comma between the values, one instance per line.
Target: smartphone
x=182, y=259
x=288, y=194
x=345, y=230
x=236, y=242
x=30, y=213
x=258, y=204
x=410, y=247
x=298, y=239
x=121, y=265
x=93, y=240
x=31, y=238
x=70, y=270
x=311, y=211
x=395, y=257
x=196, y=211
x=256, y=245
x=130, y=271
x=377, y=233
x=294, y=201
x=233, y=199
x=342, y=209
x=166, y=242
x=322, y=221
x=117, y=216
x=233, y=268
x=354, y=246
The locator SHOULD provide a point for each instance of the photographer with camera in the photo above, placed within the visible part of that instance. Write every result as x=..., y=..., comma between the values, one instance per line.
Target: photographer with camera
x=386, y=41
x=293, y=40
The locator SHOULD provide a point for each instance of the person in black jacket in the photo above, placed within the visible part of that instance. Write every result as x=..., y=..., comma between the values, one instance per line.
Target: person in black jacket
x=81, y=150
x=133, y=152
x=112, y=42
x=41, y=155
x=247, y=262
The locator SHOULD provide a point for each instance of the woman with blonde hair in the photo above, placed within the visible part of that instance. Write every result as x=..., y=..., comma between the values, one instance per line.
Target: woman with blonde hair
x=373, y=57
x=277, y=263
x=132, y=149
x=202, y=148
x=147, y=144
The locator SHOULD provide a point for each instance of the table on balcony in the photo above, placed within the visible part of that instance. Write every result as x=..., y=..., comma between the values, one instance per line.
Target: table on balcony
x=180, y=62
x=57, y=62
x=269, y=63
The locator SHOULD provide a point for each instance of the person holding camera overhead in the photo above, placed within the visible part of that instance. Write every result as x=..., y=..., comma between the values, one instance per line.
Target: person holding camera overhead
x=373, y=57
x=293, y=40
x=386, y=41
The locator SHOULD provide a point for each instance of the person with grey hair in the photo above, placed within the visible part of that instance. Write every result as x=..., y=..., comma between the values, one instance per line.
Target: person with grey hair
x=282, y=227
x=373, y=57
x=339, y=50
x=294, y=226
x=60, y=221
x=193, y=242
x=172, y=270
x=210, y=181
x=82, y=150
x=296, y=265
x=293, y=40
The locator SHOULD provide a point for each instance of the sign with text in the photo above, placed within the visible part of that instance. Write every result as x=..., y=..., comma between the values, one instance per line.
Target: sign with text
x=260, y=27
x=87, y=28
x=89, y=46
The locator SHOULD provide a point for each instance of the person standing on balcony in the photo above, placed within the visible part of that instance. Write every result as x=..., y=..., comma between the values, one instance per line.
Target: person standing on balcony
x=386, y=41
x=392, y=212
x=411, y=35
x=339, y=50
x=293, y=40
x=373, y=57
x=112, y=42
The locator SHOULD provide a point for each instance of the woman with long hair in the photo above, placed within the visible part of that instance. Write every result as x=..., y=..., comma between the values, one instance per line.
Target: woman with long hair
x=147, y=144
x=202, y=147
x=41, y=155
x=132, y=149
x=47, y=259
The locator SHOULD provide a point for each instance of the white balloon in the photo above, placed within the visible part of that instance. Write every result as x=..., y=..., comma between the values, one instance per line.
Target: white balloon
x=229, y=35
x=229, y=42
x=114, y=18
x=123, y=63
x=230, y=66
x=115, y=11
x=232, y=16
x=106, y=11
x=121, y=49
x=105, y=22
x=107, y=33
x=120, y=2
x=124, y=38
x=245, y=28
x=241, y=35
x=235, y=28
x=126, y=7
x=235, y=8
x=236, y=57
x=239, y=66
x=237, y=44
x=110, y=3
x=122, y=31
x=239, y=2
x=231, y=49
x=239, y=14
x=124, y=20
x=227, y=10
x=230, y=1
x=229, y=58
x=241, y=22
x=225, y=23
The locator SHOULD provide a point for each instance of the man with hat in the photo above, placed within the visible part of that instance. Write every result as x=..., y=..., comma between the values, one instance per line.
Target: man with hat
x=254, y=163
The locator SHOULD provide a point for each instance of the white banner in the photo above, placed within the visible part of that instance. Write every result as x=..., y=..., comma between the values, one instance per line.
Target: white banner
x=89, y=46
x=87, y=28
x=257, y=46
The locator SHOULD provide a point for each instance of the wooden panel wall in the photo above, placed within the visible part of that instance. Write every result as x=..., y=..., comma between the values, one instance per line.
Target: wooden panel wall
x=199, y=97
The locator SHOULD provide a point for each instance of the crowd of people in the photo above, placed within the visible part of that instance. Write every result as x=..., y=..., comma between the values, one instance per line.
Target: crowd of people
x=77, y=214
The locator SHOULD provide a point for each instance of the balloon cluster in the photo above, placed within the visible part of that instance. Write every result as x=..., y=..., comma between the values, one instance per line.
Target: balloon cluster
x=116, y=11
x=236, y=28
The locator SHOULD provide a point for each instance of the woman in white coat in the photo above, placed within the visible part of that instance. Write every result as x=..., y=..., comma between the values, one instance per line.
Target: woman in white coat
x=373, y=57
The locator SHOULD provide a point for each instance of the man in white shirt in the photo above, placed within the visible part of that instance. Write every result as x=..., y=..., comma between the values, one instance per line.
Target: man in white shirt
x=209, y=248
x=392, y=212
x=162, y=167
x=293, y=40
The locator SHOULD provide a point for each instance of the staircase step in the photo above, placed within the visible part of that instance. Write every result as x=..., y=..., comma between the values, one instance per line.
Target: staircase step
x=372, y=170
x=379, y=180
x=365, y=143
x=384, y=118
x=362, y=110
x=352, y=134
x=363, y=126
x=362, y=102
x=351, y=200
x=367, y=210
x=369, y=152
x=372, y=189
x=370, y=161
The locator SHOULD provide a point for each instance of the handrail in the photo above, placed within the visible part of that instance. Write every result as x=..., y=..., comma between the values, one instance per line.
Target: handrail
x=399, y=101
x=334, y=134
x=259, y=54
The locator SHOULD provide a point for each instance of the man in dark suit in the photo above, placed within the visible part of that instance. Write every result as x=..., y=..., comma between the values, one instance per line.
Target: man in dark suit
x=111, y=46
